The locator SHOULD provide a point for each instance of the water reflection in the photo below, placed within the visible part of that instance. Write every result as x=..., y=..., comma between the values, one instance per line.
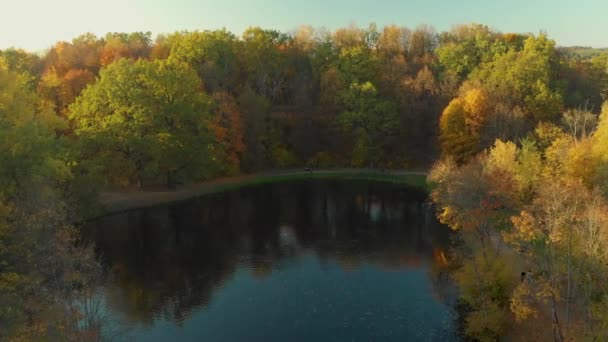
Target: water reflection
x=167, y=264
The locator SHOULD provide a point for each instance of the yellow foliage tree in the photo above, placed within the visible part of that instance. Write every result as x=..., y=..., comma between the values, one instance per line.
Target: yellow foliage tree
x=476, y=106
x=600, y=149
x=460, y=125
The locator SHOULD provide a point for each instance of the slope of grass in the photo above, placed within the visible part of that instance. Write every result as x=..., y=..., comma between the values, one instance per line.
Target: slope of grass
x=414, y=180
x=114, y=202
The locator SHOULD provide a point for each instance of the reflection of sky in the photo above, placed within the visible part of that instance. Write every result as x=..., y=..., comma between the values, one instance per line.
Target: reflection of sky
x=305, y=299
x=375, y=210
x=287, y=236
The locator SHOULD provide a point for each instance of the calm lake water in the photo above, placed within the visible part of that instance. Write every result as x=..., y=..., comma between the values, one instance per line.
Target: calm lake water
x=299, y=261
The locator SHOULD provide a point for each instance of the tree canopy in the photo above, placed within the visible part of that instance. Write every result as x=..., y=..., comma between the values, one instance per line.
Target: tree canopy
x=145, y=119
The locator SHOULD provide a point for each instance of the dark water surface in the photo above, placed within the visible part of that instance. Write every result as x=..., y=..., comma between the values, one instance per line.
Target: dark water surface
x=299, y=261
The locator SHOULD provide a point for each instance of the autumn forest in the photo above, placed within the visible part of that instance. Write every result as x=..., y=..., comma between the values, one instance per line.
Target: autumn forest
x=512, y=129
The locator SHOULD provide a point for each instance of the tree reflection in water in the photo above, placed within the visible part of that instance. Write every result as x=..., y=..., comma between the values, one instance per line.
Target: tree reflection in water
x=167, y=262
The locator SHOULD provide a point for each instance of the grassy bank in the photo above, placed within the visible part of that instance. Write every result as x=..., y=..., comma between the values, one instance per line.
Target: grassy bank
x=117, y=201
x=414, y=180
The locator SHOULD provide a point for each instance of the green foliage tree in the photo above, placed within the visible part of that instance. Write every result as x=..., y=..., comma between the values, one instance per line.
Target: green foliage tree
x=213, y=54
x=265, y=61
x=145, y=120
x=45, y=276
x=466, y=47
x=526, y=78
x=28, y=64
x=357, y=64
x=372, y=119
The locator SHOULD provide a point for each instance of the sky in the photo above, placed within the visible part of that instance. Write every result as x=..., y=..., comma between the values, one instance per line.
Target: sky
x=35, y=25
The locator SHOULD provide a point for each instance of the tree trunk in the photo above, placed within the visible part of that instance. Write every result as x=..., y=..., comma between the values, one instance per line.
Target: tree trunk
x=558, y=336
x=588, y=314
x=480, y=286
x=138, y=170
x=568, y=293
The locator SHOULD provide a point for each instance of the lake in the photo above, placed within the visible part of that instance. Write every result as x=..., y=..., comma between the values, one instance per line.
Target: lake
x=316, y=260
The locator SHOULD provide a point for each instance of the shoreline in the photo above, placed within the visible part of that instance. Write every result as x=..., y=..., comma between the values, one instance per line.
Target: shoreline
x=113, y=202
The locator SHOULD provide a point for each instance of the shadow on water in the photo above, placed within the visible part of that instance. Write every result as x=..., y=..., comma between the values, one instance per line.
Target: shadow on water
x=306, y=260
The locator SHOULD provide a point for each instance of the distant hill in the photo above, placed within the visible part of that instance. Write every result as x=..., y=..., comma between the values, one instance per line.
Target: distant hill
x=584, y=51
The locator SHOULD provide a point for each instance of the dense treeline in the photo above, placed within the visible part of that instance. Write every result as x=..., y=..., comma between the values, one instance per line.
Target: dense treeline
x=533, y=222
x=47, y=277
x=523, y=181
x=126, y=110
x=354, y=97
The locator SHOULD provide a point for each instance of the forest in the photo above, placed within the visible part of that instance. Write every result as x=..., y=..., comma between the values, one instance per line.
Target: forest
x=512, y=128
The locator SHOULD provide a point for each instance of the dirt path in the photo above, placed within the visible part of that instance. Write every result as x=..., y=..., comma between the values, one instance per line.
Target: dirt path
x=117, y=201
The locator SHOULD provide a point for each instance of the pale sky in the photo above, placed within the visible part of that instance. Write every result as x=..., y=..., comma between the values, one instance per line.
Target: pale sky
x=37, y=24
